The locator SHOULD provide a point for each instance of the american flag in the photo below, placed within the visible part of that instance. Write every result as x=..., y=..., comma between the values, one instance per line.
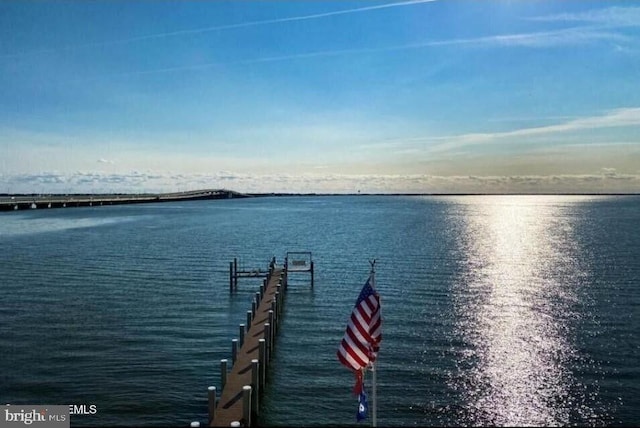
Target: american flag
x=361, y=340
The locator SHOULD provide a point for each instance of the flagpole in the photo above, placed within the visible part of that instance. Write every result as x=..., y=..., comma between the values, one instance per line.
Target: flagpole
x=374, y=413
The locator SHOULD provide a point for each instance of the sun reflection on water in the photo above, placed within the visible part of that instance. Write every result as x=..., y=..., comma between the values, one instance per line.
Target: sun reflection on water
x=515, y=304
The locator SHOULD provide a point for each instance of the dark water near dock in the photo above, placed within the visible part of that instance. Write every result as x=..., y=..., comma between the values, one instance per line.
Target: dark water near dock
x=498, y=310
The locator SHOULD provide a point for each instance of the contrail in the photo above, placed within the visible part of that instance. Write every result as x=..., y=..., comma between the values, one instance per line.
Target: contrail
x=281, y=58
x=224, y=27
x=317, y=54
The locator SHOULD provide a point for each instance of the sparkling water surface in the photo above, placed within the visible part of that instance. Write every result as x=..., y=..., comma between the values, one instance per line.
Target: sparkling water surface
x=497, y=310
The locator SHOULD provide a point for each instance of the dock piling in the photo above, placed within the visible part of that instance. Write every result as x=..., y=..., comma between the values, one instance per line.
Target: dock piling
x=249, y=319
x=235, y=273
x=255, y=383
x=262, y=356
x=312, y=274
x=234, y=350
x=272, y=328
x=276, y=311
x=254, y=304
x=267, y=335
x=241, y=330
x=246, y=405
x=211, y=392
x=223, y=372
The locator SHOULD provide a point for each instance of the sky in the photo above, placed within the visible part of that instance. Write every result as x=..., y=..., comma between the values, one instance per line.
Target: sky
x=320, y=96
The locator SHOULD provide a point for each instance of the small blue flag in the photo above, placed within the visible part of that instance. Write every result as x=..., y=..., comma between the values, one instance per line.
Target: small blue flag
x=363, y=406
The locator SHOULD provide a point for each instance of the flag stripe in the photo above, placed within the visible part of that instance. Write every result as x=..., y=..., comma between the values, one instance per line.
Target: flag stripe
x=363, y=334
x=356, y=345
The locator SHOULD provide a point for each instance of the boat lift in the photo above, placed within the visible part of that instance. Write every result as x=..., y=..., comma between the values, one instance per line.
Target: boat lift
x=294, y=262
x=299, y=261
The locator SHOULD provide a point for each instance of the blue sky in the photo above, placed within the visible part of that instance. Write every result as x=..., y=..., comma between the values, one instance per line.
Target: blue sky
x=320, y=96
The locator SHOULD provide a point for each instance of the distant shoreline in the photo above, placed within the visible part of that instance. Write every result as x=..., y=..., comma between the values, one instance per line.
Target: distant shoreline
x=24, y=201
x=192, y=193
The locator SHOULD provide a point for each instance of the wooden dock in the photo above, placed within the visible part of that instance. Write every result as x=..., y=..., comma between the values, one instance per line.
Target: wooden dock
x=242, y=386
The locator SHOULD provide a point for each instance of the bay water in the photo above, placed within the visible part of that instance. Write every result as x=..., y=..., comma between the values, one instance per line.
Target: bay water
x=497, y=310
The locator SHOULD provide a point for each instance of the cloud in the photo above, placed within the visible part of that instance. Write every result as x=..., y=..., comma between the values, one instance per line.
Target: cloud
x=565, y=37
x=102, y=160
x=610, y=17
x=622, y=117
x=545, y=39
x=607, y=180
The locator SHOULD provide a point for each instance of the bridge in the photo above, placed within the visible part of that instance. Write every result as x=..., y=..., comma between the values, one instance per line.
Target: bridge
x=38, y=201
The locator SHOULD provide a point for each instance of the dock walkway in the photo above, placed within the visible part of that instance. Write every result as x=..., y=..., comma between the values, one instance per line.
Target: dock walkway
x=230, y=407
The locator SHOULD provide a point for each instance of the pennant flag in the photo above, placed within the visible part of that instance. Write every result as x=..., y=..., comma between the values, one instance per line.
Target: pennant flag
x=363, y=407
x=361, y=340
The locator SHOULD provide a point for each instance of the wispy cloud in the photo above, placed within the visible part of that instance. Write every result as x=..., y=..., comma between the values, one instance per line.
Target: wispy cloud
x=615, y=118
x=564, y=37
x=226, y=27
x=606, y=180
x=611, y=17
x=622, y=117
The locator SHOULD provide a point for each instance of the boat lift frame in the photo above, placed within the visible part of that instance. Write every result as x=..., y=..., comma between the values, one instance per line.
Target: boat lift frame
x=299, y=261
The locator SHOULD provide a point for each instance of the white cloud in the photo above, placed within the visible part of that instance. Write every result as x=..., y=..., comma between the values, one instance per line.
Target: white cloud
x=607, y=180
x=610, y=17
x=623, y=117
x=542, y=39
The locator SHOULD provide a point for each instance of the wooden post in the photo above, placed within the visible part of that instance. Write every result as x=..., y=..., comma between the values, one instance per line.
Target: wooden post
x=230, y=277
x=249, y=319
x=212, y=403
x=262, y=289
x=272, y=328
x=246, y=405
x=276, y=315
x=311, y=274
x=262, y=356
x=255, y=383
x=267, y=335
x=254, y=305
x=223, y=372
x=241, y=331
x=234, y=350
x=235, y=271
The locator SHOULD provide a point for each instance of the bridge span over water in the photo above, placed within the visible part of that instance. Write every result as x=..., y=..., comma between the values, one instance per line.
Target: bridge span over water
x=40, y=201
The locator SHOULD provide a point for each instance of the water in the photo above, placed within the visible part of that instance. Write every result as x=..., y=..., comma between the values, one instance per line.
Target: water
x=497, y=310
